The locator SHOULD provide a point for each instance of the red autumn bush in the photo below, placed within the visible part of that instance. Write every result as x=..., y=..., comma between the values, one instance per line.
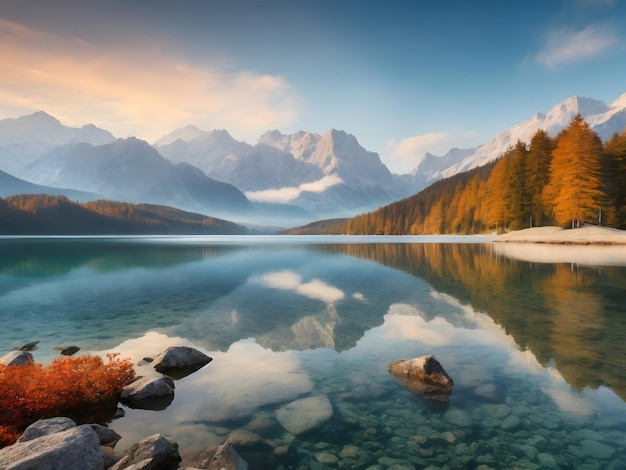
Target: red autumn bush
x=77, y=387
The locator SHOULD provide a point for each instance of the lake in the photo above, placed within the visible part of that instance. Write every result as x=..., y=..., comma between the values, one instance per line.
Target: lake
x=533, y=335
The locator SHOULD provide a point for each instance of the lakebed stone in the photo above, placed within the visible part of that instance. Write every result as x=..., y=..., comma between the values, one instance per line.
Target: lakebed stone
x=227, y=458
x=305, y=414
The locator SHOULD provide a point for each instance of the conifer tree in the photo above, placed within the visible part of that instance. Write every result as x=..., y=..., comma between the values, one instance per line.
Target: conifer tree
x=575, y=188
x=538, y=173
x=615, y=175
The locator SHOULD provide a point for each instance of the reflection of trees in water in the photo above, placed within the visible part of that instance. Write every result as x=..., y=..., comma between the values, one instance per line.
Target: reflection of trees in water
x=58, y=257
x=571, y=315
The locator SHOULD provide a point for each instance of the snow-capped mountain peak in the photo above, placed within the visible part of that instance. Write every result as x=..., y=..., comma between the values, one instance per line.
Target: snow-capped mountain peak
x=605, y=119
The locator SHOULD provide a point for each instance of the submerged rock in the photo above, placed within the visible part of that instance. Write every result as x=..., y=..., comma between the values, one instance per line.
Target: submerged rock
x=227, y=458
x=422, y=375
x=180, y=361
x=305, y=414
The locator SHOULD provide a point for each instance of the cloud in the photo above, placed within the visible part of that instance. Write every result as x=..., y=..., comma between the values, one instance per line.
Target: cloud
x=566, y=46
x=287, y=194
x=140, y=90
x=314, y=289
x=402, y=156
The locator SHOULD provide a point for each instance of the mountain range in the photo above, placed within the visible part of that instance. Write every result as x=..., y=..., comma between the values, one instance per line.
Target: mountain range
x=281, y=180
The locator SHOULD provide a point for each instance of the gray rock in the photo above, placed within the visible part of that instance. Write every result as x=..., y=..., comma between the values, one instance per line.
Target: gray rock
x=180, y=361
x=152, y=453
x=107, y=436
x=67, y=350
x=28, y=346
x=149, y=393
x=43, y=427
x=422, y=375
x=227, y=458
x=304, y=414
x=73, y=449
x=16, y=358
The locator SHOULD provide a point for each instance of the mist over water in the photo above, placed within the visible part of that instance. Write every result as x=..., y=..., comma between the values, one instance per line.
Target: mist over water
x=534, y=344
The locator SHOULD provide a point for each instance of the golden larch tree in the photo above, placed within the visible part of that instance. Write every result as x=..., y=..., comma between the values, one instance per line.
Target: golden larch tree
x=575, y=189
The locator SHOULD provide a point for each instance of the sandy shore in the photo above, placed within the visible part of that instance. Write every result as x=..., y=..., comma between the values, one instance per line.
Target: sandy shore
x=588, y=235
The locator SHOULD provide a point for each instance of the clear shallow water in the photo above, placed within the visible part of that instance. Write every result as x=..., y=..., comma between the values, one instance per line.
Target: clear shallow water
x=533, y=339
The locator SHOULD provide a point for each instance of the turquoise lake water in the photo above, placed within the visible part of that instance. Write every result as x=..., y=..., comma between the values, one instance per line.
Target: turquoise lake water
x=533, y=335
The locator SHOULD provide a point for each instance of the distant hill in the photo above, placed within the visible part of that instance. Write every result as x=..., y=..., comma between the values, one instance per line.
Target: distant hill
x=321, y=227
x=12, y=186
x=133, y=171
x=57, y=215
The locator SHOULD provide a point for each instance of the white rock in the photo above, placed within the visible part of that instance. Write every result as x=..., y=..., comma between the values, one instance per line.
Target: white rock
x=305, y=414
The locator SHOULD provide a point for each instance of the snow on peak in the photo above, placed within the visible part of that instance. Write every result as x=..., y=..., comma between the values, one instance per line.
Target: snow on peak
x=619, y=103
x=191, y=133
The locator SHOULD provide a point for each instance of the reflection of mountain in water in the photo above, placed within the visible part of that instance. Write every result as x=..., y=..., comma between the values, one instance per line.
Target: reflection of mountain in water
x=572, y=315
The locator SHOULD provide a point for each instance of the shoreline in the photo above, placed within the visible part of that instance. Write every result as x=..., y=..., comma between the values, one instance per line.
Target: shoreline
x=586, y=235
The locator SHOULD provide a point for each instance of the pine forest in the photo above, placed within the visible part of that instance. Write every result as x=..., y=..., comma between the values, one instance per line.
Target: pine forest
x=569, y=180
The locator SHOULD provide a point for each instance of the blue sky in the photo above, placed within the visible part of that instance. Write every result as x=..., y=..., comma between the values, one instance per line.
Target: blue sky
x=404, y=77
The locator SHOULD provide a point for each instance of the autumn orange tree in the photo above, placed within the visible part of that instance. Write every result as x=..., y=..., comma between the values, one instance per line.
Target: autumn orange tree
x=575, y=191
x=76, y=387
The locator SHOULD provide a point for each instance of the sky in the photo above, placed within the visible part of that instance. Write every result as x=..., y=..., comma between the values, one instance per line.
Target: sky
x=404, y=77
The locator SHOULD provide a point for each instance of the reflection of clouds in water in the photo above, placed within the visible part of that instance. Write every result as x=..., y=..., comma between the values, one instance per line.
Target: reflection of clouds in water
x=234, y=385
x=405, y=322
x=314, y=289
x=566, y=399
x=400, y=323
x=545, y=253
x=150, y=344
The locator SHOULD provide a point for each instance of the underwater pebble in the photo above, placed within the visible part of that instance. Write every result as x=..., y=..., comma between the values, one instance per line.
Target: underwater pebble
x=326, y=458
x=596, y=449
x=458, y=417
x=511, y=423
x=546, y=460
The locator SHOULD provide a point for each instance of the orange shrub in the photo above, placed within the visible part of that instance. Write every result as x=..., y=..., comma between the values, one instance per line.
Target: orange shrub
x=77, y=387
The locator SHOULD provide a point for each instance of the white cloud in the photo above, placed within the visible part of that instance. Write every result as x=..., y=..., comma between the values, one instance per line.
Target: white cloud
x=287, y=194
x=402, y=156
x=140, y=90
x=566, y=46
x=314, y=289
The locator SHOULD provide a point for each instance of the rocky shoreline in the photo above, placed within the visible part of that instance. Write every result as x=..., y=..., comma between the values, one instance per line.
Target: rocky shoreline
x=60, y=443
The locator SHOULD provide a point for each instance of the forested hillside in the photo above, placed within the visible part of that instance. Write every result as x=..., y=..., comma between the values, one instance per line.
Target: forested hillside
x=572, y=179
x=57, y=215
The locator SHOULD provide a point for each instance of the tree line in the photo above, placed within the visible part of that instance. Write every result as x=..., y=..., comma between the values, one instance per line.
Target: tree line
x=569, y=180
x=41, y=214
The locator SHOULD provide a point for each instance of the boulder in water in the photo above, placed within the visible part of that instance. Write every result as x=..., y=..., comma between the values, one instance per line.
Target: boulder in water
x=423, y=375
